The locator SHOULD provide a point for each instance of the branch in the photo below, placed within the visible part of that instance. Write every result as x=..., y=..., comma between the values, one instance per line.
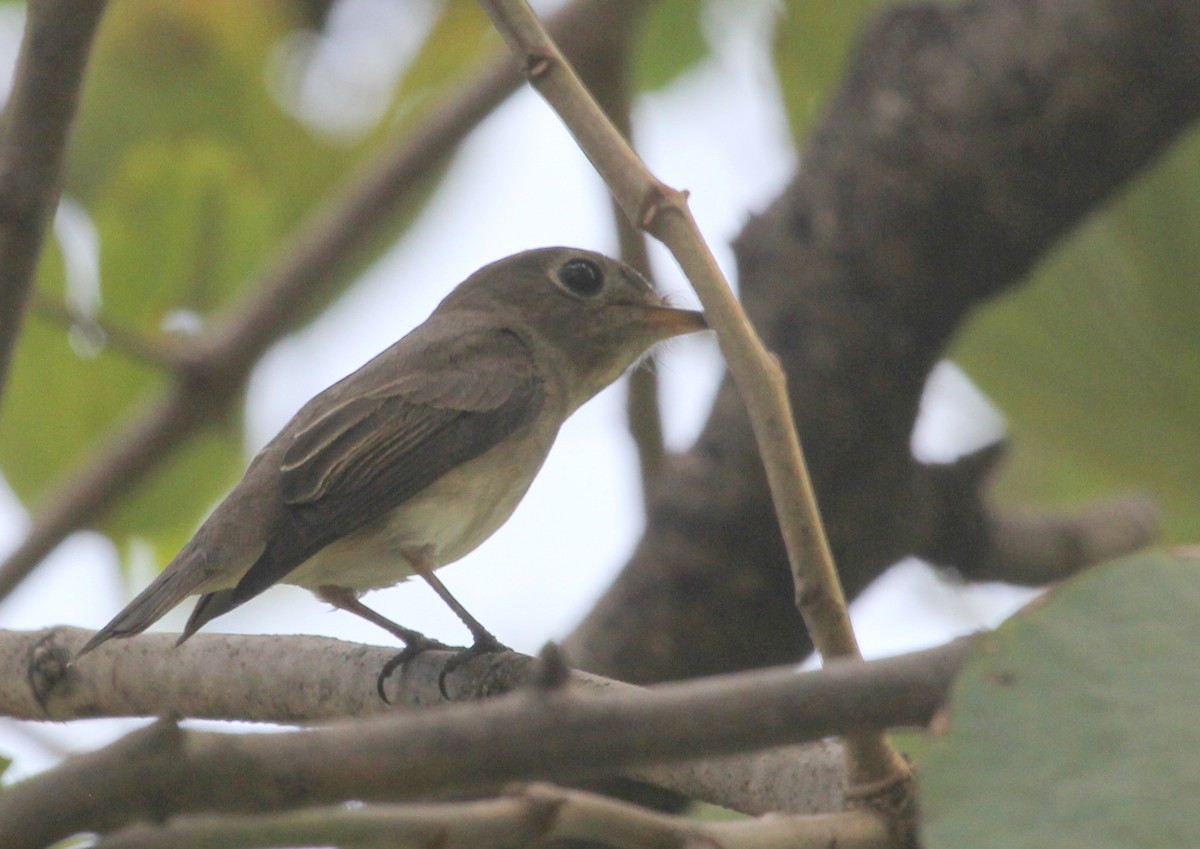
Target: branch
x=214, y=368
x=319, y=679
x=526, y=816
x=139, y=347
x=609, y=80
x=528, y=735
x=33, y=136
x=984, y=542
x=662, y=211
x=1038, y=548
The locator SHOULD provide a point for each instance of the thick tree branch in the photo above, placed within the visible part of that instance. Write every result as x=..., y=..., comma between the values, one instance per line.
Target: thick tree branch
x=33, y=138
x=530, y=734
x=318, y=679
x=964, y=140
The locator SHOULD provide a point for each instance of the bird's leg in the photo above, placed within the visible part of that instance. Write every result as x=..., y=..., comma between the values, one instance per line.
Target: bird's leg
x=344, y=599
x=414, y=641
x=482, y=636
x=485, y=642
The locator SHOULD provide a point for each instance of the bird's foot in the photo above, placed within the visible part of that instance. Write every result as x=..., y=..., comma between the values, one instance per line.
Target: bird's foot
x=415, y=644
x=485, y=643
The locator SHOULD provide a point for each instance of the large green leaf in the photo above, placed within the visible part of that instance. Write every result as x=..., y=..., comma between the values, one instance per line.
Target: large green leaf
x=812, y=40
x=1074, y=724
x=1096, y=362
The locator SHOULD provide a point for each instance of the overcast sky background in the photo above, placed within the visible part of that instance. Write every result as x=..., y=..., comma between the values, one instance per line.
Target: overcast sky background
x=517, y=183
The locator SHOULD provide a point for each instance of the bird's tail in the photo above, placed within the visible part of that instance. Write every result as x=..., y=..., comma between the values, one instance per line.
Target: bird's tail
x=166, y=591
x=209, y=607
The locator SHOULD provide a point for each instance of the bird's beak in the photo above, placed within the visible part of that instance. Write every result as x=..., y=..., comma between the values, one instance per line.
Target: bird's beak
x=675, y=322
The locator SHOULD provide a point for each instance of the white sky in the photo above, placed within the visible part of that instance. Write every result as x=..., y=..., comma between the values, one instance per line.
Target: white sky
x=519, y=182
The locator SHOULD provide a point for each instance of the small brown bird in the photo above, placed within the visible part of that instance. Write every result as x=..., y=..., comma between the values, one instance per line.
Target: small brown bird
x=419, y=456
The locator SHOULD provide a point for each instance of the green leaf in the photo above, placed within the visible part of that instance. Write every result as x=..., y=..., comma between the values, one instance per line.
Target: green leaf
x=812, y=41
x=1096, y=363
x=913, y=744
x=183, y=227
x=168, y=70
x=670, y=41
x=462, y=38
x=1074, y=724
x=59, y=401
x=192, y=174
x=166, y=509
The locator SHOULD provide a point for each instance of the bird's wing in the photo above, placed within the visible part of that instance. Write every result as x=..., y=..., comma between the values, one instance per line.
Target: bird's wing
x=390, y=437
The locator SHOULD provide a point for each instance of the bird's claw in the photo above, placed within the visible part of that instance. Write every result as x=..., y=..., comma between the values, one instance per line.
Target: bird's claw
x=485, y=643
x=413, y=648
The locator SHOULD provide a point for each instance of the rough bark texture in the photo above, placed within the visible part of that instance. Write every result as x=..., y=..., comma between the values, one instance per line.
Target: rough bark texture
x=963, y=141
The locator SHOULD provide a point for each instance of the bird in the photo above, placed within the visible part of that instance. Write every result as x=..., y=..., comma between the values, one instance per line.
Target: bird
x=412, y=461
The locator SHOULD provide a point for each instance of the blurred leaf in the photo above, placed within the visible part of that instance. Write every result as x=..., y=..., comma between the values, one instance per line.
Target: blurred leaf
x=177, y=69
x=183, y=227
x=811, y=45
x=59, y=402
x=1074, y=725
x=462, y=38
x=669, y=42
x=1096, y=363
x=192, y=174
x=913, y=744
x=166, y=509
x=705, y=812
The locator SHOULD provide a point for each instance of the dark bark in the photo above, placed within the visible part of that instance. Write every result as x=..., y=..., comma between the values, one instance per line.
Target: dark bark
x=33, y=137
x=962, y=143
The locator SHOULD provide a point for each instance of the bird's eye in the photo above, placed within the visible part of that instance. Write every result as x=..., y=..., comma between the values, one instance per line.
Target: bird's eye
x=582, y=277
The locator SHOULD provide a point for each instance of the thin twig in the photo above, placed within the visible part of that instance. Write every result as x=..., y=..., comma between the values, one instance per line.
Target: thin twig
x=663, y=212
x=522, y=736
x=125, y=340
x=609, y=79
x=33, y=136
x=527, y=815
x=216, y=366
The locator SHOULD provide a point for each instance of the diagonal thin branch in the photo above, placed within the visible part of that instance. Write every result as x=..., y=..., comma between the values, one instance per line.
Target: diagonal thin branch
x=663, y=212
x=33, y=137
x=215, y=367
x=961, y=143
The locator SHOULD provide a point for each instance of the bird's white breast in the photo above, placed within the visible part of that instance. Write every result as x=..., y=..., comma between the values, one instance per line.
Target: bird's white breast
x=447, y=520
